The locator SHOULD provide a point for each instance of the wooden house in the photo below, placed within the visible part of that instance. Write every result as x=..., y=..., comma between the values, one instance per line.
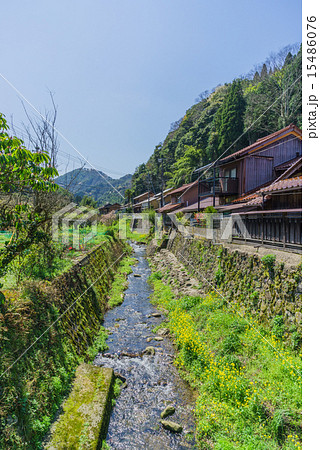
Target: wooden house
x=254, y=166
x=108, y=207
x=177, y=198
x=142, y=201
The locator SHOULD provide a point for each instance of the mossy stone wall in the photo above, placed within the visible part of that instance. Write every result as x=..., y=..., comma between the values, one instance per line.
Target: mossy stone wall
x=33, y=388
x=254, y=284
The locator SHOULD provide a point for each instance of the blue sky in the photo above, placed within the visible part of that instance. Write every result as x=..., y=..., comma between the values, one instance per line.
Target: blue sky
x=123, y=70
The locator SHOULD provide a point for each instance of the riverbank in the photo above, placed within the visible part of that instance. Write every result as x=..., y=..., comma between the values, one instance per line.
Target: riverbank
x=34, y=386
x=143, y=356
x=248, y=378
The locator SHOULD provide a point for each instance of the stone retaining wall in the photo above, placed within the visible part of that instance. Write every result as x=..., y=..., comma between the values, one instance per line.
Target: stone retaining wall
x=254, y=283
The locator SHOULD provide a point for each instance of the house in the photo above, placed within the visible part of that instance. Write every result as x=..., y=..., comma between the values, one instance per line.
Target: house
x=142, y=201
x=272, y=215
x=285, y=192
x=257, y=165
x=108, y=207
x=176, y=198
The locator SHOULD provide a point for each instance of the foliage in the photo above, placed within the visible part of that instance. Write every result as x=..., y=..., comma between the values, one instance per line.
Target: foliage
x=88, y=201
x=210, y=210
x=184, y=166
x=99, y=344
x=258, y=104
x=249, y=383
x=38, y=262
x=229, y=120
x=120, y=284
x=24, y=175
x=95, y=184
x=278, y=326
x=268, y=261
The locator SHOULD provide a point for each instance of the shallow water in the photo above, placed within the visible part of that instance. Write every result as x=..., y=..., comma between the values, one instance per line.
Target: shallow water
x=152, y=381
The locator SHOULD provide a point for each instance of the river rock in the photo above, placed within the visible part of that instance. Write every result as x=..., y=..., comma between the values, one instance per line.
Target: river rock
x=149, y=339
x=156, y=315
x=149, y=351
x=171, y=426
x=158, y=338
x=137, y=275
x=163, y=331
x=168, y=412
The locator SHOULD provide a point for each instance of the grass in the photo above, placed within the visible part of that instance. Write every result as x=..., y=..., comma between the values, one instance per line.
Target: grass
x=249, y=383
x=41, y=263
x=120, y=283
x=99, y=344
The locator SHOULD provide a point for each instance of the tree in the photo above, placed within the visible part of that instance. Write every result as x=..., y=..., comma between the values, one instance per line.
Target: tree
x=24, y=175
x=88, y=201
x=229, y=120
x=276, y=101
x=185, y=165
x=42, y=131
x=128, y=195
x=264, y=72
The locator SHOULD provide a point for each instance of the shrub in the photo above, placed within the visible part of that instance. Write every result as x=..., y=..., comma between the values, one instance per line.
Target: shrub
x=219, y=276
x=188, y=303
x=109, y=232
x=230, y=344
x=268, y=261
x=278, y=326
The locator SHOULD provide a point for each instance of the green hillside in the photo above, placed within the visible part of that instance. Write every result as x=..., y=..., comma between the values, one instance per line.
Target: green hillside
x=95, y=184
x=214, y=123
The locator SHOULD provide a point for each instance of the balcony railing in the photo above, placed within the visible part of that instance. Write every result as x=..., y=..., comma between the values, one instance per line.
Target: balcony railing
x=218, y=186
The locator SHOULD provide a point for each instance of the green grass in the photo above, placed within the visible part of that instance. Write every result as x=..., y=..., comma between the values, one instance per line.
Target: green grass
x=120, y=283
x=249, y=382
x=99, y=344
x=37, y=264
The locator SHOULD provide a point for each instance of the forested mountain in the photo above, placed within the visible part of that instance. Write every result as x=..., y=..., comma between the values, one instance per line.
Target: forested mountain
x=231, y=116
x=95, y=184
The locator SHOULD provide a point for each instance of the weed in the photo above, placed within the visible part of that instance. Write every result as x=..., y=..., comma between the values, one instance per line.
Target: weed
x=278, y=326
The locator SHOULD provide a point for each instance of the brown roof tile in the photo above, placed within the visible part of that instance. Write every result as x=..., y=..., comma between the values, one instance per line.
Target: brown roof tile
x=182, y=188
x=169, y=207
x=287, y=184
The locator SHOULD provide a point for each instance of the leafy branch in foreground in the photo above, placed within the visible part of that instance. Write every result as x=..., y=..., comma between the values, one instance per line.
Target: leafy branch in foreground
x=24, y=175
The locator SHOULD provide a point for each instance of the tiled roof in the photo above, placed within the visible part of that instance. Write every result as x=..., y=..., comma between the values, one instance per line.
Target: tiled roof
x=245, y=198
x=169, y=207
x=204, y=203
x=284, y=185
x=291, y=170
x=182, y=188
x=262, y=142
x=141, y=195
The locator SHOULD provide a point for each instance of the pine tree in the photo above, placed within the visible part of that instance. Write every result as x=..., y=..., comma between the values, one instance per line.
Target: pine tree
x=264, y=72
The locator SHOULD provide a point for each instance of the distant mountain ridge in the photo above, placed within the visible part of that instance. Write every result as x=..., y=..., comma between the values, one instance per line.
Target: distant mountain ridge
x=96, y=184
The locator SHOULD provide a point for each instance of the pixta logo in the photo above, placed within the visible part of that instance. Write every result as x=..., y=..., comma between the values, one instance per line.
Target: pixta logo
x=68, y=221
x=211, y=226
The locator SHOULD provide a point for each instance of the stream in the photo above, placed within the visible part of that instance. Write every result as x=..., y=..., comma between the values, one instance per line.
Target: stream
x=153, y=382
